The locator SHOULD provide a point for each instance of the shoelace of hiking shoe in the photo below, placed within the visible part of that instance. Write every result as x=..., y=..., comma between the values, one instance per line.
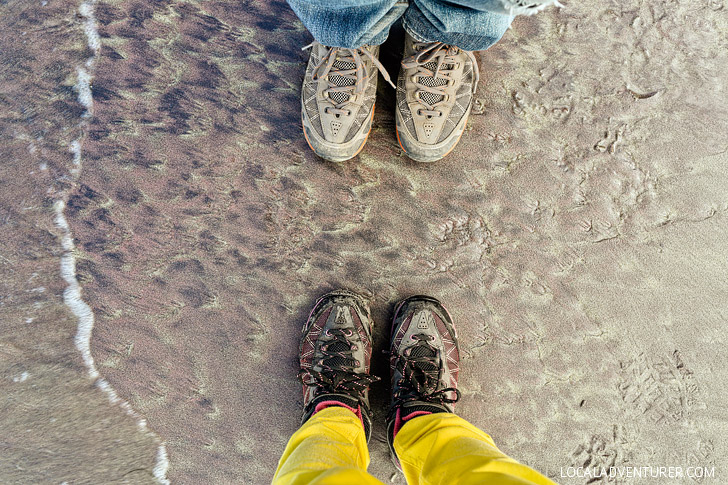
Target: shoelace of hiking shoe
x=347, y=65
x=432, y=83
x=337, y=367
x=420, y=376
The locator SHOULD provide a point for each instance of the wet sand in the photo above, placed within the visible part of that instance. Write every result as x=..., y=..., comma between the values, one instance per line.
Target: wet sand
x=577, y=236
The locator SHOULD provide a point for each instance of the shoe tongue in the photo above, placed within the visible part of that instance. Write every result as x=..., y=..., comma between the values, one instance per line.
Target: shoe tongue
x=333, y=398
x=432, y=82
x=338, y=347
x=339, y=80
x=420, y=408
x=432, y=66
x=340, y=65
x=424, y=351
x=338, y=361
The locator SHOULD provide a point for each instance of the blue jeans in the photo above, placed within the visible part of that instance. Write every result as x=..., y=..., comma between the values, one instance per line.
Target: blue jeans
x=468, y=24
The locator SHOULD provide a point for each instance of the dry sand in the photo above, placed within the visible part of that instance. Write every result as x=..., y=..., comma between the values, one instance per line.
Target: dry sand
x=577, y=236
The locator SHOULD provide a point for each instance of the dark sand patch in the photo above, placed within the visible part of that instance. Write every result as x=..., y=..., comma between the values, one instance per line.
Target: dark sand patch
x=577, y=234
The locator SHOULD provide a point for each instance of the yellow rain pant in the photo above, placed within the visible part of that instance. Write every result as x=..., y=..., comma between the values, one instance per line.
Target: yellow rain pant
x=331, y=449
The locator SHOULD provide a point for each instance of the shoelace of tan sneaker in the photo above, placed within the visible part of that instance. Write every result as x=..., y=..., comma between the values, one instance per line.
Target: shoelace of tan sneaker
x=359, y=74
x=444, y=56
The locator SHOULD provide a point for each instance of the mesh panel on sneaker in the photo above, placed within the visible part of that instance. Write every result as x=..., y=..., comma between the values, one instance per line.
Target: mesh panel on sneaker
x=311, y=107
x=344, y=65
x=366, y=108
x=432, y=66
x=431, y=81
x=403, y=107
x=463, y=97
x=338, y=361
x=422, y=351
x=338, y=96
x=339, y=80
x=309, y=97
x=430, y=98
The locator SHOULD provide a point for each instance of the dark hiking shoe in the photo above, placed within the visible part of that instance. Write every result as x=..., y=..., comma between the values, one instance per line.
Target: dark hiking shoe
x=335, y=356
x=424, y=363
x=337, y=99
x=434, y=95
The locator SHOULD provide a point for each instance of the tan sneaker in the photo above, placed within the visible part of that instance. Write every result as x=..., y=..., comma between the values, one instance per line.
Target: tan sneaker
x=337, y=99
x=434, y=94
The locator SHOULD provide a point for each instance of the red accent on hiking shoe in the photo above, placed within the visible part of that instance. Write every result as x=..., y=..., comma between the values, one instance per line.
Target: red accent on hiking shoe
x=327, y=404
x=399, y=420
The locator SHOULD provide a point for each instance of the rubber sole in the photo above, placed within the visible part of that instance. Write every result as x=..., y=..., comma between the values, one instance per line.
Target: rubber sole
x=427, y=160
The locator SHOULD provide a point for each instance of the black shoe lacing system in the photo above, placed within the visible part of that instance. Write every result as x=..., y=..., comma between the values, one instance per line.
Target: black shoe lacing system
x=421, y=376
x=337, y=374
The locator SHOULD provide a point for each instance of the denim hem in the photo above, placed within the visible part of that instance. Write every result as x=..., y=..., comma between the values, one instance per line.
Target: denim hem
x=417, y=25
x=468, y=24
x=378, y=34
x=349, y=24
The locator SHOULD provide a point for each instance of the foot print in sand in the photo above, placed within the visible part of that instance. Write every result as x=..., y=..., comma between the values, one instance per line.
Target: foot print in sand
x=659, y=387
